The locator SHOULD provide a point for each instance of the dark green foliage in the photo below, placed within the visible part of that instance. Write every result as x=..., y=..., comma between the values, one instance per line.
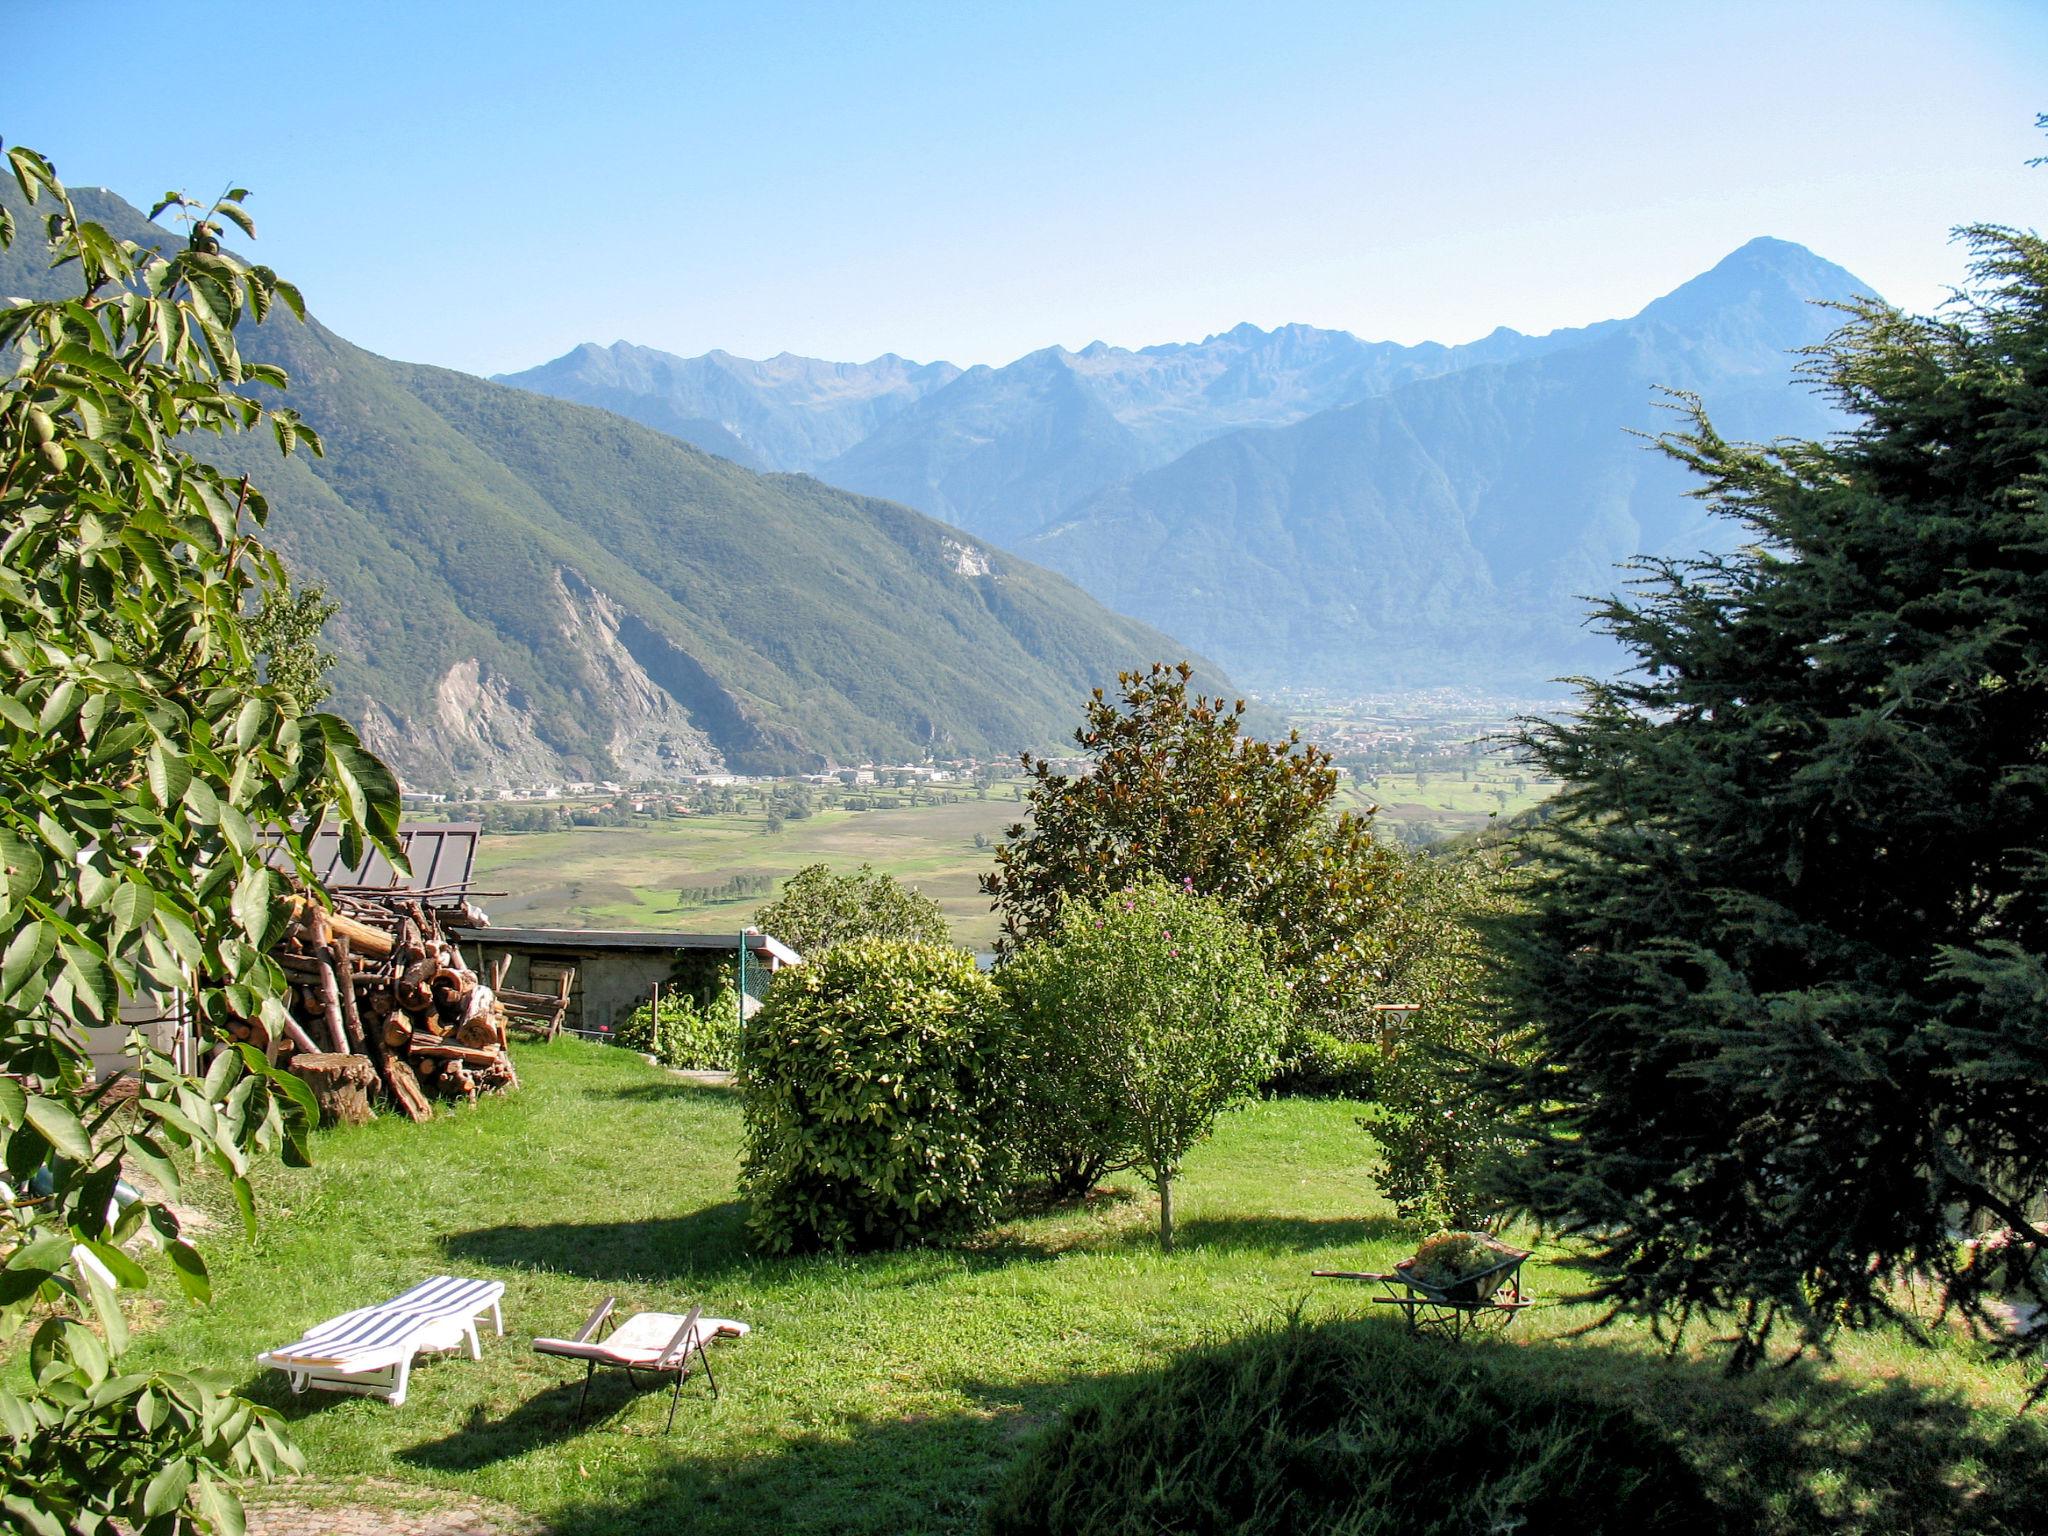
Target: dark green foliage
x=1785, y=957
x=1442, y=1137
x=1348, y=1428
x=1315, y=1064
x=1178, y=791
x=284, y=632
x=818, y=909
x=876, y=1088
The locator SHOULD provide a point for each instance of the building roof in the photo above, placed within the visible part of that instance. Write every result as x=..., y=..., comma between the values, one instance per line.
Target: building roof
x=442, y=855
x=625, y=938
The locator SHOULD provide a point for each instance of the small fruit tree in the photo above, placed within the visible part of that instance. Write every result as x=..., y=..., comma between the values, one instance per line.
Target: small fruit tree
x=1138, y=1021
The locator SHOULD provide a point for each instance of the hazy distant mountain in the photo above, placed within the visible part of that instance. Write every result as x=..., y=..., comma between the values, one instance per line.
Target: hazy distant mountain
x=1446, y=530
x=785, y=412
x=1309, y=507
x=533, y=589
x=1000, y=451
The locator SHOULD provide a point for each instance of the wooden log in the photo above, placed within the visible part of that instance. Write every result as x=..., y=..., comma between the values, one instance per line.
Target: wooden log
x=330, y=1008
x=341, y=1085
x=482, y=1032
x=298, y=1037
x=406, y=1089
x=345, y=981
x=371, y=941
x=426, y=1046
x=414, y=988
x=452, y=988
x=397, y=1031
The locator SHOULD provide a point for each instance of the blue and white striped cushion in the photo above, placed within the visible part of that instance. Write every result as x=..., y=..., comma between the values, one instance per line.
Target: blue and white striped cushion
x=371, y=1330
x=363, y=1332
x=447, y=1296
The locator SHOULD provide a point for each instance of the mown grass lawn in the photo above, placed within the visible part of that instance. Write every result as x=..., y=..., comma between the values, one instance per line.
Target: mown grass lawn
x=883, y=1394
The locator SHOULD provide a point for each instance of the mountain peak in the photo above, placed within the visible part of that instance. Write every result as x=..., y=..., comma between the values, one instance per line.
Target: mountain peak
x=1764, y=270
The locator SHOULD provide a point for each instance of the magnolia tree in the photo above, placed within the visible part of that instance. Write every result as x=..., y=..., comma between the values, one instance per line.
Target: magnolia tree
x=1138, y=1021
x=1178, y=791
x=145, y=768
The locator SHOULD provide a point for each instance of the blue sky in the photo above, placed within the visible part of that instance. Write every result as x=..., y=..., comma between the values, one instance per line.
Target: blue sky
x=485, y=185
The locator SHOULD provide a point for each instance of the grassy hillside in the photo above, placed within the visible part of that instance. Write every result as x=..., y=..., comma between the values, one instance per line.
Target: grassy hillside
x=532, y=588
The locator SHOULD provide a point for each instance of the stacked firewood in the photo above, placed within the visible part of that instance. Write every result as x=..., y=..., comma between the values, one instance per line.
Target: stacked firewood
x=382, y=1000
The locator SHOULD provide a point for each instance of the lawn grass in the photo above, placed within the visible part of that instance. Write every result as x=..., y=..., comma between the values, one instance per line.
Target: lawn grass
x=885, y=1393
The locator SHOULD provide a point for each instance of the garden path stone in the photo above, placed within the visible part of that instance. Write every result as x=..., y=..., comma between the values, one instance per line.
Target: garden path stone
x=371, y=1507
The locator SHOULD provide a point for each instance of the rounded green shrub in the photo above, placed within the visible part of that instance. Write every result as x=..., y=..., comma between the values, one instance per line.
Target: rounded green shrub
x=875, y=1089
x=1355, y=1428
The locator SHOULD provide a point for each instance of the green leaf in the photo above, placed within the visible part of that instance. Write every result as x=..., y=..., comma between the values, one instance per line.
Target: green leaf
x=13, y=1102
x=252, y=722
x=218, y=1502
x=57, y=1125
x=26, y=954
x=33, y=1516
x=190, y=1269
x=256, y=902
x=22, y=862
x=119, y=1264
x=169, y=773
x=166, y=1490
x=159, y=1167
x=104, y=1302
x=134, y=903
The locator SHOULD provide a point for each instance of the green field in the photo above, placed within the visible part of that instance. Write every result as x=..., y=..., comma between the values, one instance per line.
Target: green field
x=631, y=877
x=1463, y=797
x=883, y=1394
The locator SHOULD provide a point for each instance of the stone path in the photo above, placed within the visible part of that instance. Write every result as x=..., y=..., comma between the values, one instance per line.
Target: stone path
x=371, y=1508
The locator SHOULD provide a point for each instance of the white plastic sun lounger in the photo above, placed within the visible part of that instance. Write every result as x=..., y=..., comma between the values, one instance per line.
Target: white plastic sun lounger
x=371, y=1349
x=659, y=1343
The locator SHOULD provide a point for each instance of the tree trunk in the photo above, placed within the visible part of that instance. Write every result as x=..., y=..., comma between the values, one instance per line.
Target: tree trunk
x=341, y=1085
x=1165, y=1182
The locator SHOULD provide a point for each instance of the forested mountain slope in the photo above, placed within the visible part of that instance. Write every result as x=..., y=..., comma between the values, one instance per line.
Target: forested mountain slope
x=534, y=589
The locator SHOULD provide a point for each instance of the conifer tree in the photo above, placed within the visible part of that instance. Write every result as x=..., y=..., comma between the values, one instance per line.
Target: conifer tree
x=1783, y=967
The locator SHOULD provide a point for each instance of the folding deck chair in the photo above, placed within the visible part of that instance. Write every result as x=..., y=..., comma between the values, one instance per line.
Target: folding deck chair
x=370, y=1350
x=659, y=1343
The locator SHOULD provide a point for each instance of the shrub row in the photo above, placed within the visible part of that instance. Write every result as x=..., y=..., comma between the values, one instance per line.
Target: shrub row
x=893, y=1094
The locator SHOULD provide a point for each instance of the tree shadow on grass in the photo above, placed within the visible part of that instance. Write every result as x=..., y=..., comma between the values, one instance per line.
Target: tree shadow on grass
x=704, y=1245
x=1269, y=1234
x=675, y=1090
x=1786, y=1451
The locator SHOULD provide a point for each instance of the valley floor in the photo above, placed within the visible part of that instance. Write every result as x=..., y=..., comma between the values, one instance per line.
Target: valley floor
x=884, y=1394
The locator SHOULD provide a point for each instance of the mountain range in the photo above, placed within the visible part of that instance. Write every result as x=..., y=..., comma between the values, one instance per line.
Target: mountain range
x=1307, y=507
x=534, y=589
